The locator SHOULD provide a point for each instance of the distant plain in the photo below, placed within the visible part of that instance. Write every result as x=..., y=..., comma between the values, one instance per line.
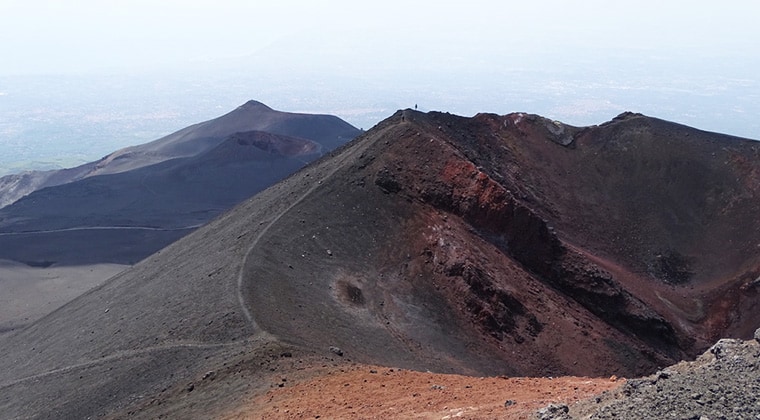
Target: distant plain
x=57, y=121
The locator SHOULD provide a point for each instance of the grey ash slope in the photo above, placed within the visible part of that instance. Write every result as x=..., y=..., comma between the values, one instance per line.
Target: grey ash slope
x=125, y=209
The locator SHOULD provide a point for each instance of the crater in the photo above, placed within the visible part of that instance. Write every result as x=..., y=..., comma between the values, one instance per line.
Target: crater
x=350, y=293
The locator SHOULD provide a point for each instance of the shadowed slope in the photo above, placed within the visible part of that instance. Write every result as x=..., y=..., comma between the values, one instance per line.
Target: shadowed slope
x=327, y=130
x=123, y=217
x=668, y=210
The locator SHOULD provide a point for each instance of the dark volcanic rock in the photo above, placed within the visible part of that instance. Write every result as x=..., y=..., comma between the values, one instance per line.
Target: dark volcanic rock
x=723, y=383
x=554, y=412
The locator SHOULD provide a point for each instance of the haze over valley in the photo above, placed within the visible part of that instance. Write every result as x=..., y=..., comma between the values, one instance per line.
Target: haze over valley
x=68, y=97
x=56, y=121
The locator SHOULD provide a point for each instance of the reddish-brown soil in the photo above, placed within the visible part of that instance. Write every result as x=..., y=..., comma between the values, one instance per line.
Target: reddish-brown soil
x=371, y=392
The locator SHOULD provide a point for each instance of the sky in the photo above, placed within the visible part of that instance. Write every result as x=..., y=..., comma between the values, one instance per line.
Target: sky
x=581, y=62
x=51, y=36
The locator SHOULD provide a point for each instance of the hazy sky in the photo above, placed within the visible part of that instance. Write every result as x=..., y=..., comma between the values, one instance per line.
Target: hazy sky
x=49, y=36
x=91, y=76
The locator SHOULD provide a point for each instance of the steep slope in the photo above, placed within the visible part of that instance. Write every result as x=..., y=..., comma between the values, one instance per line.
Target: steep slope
x=483, y=245
x=328, y=131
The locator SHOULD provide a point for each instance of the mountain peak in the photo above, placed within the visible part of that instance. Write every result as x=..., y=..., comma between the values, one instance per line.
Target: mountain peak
x=253, y=104
x=627, y=115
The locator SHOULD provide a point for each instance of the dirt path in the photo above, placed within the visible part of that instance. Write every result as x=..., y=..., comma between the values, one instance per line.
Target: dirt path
x=129, y=354
x=373, y=392
x=80, y=228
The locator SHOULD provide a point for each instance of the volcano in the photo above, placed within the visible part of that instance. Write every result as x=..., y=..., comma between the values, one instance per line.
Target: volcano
x=137, y=200
x=493, y=245
x=327, y=131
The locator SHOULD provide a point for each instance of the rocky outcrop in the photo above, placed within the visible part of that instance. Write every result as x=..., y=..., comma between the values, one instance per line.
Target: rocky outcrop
x=723, y=383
